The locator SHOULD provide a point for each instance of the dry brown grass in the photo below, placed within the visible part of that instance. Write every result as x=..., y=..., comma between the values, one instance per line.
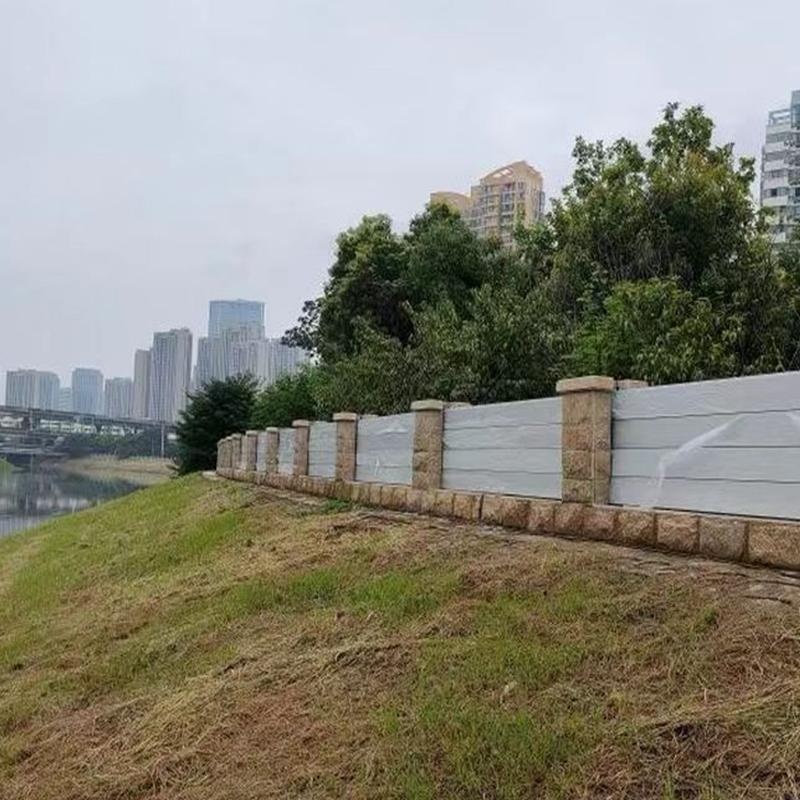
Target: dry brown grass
x=217, y=641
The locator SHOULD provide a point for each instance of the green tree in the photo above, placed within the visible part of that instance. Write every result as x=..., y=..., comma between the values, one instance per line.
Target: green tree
x=656, y=331
x=286, y=400
x=217, y=410
x=364, y=284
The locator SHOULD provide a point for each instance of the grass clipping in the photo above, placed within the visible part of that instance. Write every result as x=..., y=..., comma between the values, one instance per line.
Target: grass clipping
x=210, y=640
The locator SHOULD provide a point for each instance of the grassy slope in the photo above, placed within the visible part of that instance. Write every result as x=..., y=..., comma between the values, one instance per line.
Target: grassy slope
x=209, y=640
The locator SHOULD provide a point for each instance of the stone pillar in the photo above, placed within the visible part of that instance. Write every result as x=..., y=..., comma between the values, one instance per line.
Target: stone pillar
x=272, y=450
x=302, y=430
x=236, y=451
x=426, y=461
x=346, y=427
x=250, y=451
x=586, y=438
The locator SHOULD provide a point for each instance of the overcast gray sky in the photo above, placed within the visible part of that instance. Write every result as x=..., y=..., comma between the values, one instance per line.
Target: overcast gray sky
x=155, y=154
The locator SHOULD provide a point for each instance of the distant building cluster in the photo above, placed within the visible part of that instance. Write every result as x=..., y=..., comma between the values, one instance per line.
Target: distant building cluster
x=501, y=200
x=162, y=375
x=236, y=344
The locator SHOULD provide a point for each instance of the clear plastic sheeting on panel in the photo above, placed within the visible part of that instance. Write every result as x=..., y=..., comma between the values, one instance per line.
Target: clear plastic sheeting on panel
x=322, y=450
x=511, y=448
x=384, y=448
x=728, y=446
x=286, y=451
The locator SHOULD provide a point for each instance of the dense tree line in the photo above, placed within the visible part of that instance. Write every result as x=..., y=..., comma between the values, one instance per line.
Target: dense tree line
x=654, y=263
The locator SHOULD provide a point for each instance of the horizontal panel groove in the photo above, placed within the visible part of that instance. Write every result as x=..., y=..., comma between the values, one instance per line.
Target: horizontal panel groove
x=516, y=426
x=716, y=413
x=479, y=448
x=693, y=479
x=714, y=447
x=487, y=471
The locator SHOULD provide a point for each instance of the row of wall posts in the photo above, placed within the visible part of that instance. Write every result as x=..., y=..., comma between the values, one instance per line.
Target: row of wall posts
x=585, y=446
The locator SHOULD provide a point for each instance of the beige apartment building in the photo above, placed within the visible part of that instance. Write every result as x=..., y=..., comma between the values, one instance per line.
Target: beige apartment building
x=508, y=195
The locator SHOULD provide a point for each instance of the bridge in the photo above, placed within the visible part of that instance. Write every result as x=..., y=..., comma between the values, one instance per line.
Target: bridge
x=33, y=418
x=37, y=432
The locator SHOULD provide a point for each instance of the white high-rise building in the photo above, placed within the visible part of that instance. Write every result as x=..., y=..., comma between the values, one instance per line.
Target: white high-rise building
x=119, y=398
x=87, y=390
x=235, y=345
x=65, y=399
x=32, y=388
x=269, y=359
x=780, y=170
x=170, y=373
x=141, y=385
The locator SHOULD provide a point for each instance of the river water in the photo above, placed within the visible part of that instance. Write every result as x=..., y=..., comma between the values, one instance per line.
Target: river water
x=31, y=497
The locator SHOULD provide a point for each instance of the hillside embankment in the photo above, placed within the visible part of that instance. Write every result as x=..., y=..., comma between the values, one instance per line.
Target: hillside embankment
x=217, y=640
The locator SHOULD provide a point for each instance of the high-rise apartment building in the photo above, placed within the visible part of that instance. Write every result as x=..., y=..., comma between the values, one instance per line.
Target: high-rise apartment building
x=501, y=200
x=65, y=398
x=170, y=373
x=140, y=408
x=32, y=388
x=236, y=345
x=780, y=170
x=119, y=398
x=224, y=315
x=87, y=390
x=268, y=360
x=213, y=359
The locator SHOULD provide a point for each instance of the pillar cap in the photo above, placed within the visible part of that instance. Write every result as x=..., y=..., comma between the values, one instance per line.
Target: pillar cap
x=236, y=435
x=345, y=416
x=252, y=433
x=427, y=405
x=587, y=383
x=301, y=423
x=273, y=430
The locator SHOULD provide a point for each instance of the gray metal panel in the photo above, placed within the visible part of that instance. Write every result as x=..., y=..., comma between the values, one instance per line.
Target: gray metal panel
x=716, y=497
x=286, y=451
x=261, y=452
x=384, y=447
x=322, y=450
x=512, y=448
x=778, y=392
x=730, y=446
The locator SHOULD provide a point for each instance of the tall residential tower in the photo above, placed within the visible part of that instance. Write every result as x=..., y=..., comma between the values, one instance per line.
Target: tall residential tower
x=31, y=388
x=141, y=385
x=170, y=373
x=780, y=170
x=119, y=398
x=87, y=390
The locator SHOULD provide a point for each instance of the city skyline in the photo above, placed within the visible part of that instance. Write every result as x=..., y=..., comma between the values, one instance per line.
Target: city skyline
x=164, y=374
x=137, y=173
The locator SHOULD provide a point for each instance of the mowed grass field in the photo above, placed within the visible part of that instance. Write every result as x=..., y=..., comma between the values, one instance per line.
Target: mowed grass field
x=203, y=639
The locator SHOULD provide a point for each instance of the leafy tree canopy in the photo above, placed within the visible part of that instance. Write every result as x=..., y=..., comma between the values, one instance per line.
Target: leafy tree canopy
x=286, y=400
x=653, y=263
x=219, y=409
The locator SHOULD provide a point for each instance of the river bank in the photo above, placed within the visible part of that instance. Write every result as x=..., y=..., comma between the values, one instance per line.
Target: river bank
x=32, y=495
x=147, y=471
x=211, y=640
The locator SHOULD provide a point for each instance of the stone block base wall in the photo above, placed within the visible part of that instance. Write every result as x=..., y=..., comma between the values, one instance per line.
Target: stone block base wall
x=772, y=543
